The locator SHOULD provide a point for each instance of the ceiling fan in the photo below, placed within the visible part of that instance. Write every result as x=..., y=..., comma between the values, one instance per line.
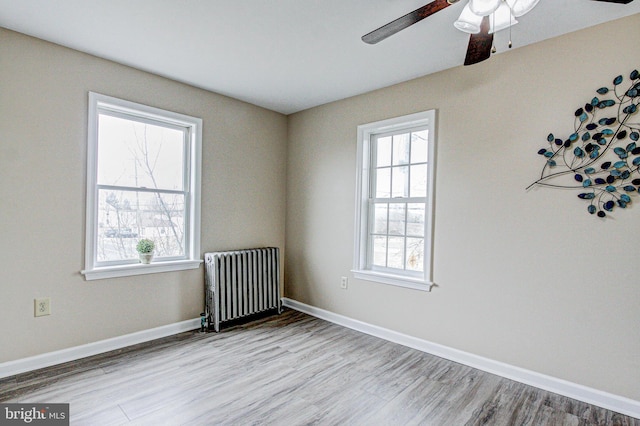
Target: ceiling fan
x=480, y=18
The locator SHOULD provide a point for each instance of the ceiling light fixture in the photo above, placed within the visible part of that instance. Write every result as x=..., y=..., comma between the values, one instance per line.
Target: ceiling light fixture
x=469, y=22
x=504, y=13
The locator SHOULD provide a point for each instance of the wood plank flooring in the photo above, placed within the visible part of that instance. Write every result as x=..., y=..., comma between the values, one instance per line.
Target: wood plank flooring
x=291, y=369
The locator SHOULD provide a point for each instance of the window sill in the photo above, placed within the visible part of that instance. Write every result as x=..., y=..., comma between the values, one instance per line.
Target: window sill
x=139, y=269
x=396, y=280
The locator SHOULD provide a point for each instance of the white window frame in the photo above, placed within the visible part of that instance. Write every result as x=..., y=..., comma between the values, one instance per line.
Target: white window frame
x=93, y=269
x=366, y=132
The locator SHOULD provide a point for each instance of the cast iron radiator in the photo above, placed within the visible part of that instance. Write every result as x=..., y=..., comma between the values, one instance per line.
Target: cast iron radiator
x=241, y=283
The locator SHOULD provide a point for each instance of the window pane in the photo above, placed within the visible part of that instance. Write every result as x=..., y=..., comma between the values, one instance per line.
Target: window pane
x=383, y=183
x=400, y=182
x=380, y=219
x=419, y=147
x=396, y=218
x=383, y=153
x=415, y=220
x=401, y=145
x=131, y=153
x=415, y=254
x=380, y=251
x=418, y=185
x=126, y=216
x=396, y=252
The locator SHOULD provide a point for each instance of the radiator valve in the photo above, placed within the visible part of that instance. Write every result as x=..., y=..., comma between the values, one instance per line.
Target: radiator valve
x=203, y=322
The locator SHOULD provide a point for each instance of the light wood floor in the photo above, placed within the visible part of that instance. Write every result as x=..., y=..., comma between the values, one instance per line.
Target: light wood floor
x=292, y=369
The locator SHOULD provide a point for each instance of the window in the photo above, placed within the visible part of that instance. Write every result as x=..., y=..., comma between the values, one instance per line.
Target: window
x=143, y=181
x=395, y=201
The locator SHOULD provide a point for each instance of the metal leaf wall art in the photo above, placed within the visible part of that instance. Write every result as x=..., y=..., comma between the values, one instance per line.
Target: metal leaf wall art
x=601, y=158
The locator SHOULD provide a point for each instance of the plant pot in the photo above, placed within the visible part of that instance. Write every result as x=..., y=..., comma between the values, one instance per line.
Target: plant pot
x=145, y=257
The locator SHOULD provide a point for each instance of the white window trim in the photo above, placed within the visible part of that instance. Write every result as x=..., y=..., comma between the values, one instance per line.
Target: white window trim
x=365, y=131
x=192, y=261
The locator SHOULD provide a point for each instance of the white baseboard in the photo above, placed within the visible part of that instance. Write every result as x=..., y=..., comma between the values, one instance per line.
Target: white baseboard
x=596, y=397
x=12, y=368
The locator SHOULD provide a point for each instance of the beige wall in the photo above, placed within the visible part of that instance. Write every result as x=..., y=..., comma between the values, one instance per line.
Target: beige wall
x=43, y=131
x=526, y=278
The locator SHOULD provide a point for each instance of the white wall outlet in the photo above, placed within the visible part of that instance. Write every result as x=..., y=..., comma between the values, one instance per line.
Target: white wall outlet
x=343, y=283
x=42, y=307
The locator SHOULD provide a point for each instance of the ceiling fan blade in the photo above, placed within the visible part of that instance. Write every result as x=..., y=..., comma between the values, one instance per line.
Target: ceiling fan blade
x=617, y=1
x=480, y=44
x=406, y=21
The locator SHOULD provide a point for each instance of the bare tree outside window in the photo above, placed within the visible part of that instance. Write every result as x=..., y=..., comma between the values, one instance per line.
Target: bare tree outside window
x=141, y=188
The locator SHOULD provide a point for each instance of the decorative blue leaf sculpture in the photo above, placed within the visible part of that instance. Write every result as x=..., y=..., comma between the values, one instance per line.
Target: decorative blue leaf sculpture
x=602, y=147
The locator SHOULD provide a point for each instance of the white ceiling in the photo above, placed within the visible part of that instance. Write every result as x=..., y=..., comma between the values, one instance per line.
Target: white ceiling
x=285, y=55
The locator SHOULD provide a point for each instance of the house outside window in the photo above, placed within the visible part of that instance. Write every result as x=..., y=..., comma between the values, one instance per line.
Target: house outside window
x=143, y=181
x=394, y=206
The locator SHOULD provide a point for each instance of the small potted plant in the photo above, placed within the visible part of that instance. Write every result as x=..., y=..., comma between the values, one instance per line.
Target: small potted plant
x=145, y=249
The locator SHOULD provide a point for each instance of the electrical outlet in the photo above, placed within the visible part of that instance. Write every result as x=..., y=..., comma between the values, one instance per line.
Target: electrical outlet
x=42, y=307
x=343, y=283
